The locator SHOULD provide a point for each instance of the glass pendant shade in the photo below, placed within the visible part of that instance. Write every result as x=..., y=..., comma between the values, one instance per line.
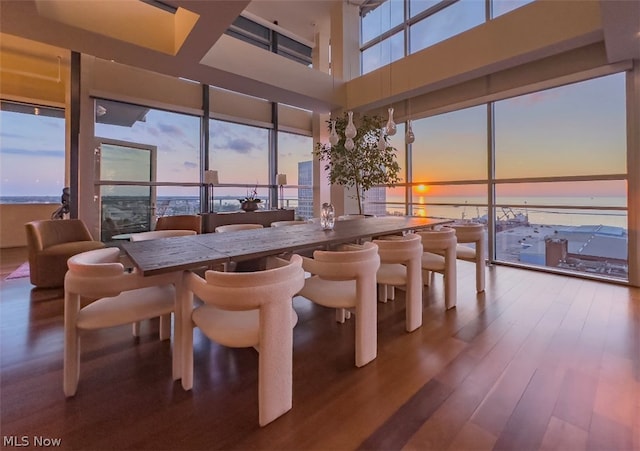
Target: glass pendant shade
x=350, y=131
x=391, y=126
x=382, y=143
x=333, y=136
x=349, y=144
x=409, y=137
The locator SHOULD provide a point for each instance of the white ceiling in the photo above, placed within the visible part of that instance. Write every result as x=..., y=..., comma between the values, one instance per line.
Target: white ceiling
x=54, y=22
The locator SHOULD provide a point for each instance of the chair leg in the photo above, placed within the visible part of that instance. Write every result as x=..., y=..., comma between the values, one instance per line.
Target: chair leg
x=165, y=327
x=366, y=322
x=341, y=315
x=275, y=363
x=135, y=329
x=391, y=293
x=382, y=293
x=186, y=306
x=450, y=279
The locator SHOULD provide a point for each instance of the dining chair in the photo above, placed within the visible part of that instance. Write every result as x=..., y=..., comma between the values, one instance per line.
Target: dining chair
x=400, y=266
x=443, y=241
x=472, y=233
x=180, y=222
x=287, y=223
x=236, y=227
x=345, y=279
x=251, y=309
x=118, y=297
x=165, y=320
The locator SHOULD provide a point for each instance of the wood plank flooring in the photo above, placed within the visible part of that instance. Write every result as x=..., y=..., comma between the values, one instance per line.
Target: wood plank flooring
x=537, y=362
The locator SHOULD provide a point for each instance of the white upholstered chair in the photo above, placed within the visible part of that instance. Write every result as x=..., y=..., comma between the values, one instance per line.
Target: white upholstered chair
x=434, y=243
x=472, y=233
x=119, y=297
x=346, y=279
x=252, y=309
x=400, y=266
x=235, y=227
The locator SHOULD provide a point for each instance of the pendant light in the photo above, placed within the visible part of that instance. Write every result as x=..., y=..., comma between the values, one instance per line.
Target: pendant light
x=391, y=125
x=350, y=131
x=333, y=136
x=409, y=137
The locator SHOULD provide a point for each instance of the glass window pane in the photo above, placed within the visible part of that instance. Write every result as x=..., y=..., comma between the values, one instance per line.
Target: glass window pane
x=585, y=241
x=33, y=141
x=417, y=6
x=593, y=193
x=382, y=19
x=456, y=202
x=451, y=146
x=579, y=129
x=381, y=201
x=240, y=153
x=295, y=153
x=450, y=21
x=501, y=7
x=383, y=53
x=177, y=137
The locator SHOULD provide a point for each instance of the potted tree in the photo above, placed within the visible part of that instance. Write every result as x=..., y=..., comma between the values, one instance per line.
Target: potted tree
x=368, y=164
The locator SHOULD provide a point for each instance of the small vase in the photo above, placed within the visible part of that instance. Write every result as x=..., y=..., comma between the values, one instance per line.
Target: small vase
x=391, y=125
x=333, y=136
x=327, y=217
x=350, y=130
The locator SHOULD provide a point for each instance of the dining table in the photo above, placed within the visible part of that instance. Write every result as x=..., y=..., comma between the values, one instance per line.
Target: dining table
x=192, y=252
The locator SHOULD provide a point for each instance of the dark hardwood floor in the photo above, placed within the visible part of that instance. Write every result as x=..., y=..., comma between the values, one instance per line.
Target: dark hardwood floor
x=536, y=362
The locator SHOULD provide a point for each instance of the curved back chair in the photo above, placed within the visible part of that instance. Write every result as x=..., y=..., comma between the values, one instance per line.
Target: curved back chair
x=287, y=223
x=435, y=242
x=50, y=244
x=180, y=222
x=346, y=279
x=252, y=309
x=472, y=233
x=235, y=227
x=157, y=234
x=400, y=265
x=120, y=297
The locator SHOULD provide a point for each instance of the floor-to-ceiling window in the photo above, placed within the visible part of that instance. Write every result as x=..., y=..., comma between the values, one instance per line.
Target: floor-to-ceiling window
x=240, y=154
x=135, y=137
x=449, y=159
x=32, y=153
x=560, y=164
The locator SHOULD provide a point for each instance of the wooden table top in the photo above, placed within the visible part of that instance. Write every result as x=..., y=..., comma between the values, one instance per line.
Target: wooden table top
x=195, y=251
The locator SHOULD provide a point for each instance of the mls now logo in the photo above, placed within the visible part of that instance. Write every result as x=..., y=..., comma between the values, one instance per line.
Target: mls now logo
x=24, y=440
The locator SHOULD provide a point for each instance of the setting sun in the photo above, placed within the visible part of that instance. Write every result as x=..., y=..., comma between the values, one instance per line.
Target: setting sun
x=422, y=189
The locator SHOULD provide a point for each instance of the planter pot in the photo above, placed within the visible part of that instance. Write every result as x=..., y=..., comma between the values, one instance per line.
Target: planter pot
x=248, y=205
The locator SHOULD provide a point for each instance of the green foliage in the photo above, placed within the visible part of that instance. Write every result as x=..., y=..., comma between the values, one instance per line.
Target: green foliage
x=365, y=166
